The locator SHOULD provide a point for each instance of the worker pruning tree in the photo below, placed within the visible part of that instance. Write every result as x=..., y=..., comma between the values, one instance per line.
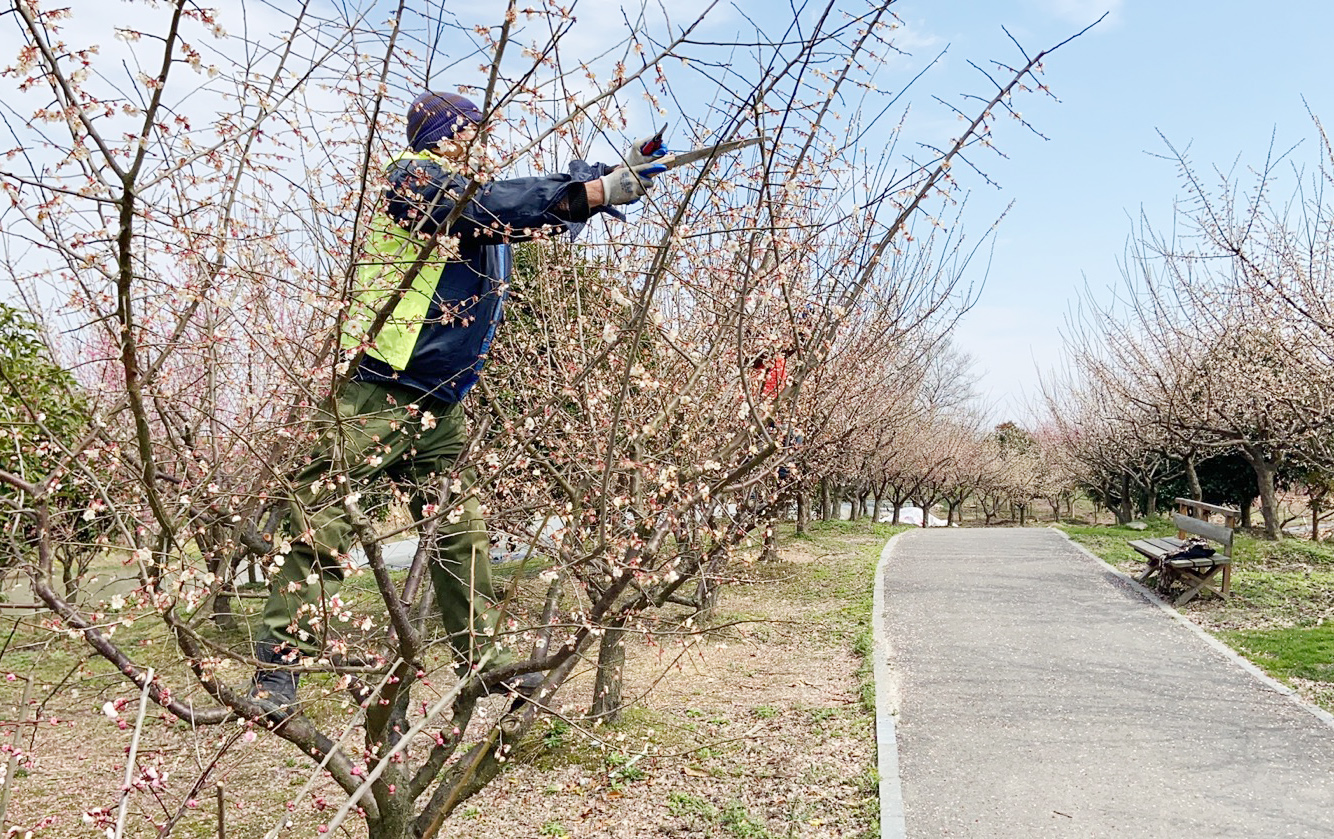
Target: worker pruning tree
x=202, y=234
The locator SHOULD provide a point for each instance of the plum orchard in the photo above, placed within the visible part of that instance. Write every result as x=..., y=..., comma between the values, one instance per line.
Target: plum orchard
x=191, y=192
x=1221, y=352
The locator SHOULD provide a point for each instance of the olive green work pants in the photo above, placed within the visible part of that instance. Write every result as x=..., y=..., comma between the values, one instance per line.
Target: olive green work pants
x=380, y=435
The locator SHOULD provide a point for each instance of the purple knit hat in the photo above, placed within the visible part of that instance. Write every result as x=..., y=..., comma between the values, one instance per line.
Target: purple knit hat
x=433, y=117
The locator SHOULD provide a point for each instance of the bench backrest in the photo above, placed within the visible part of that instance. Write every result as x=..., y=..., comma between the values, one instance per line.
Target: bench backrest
x=1201, y=510
x=1199, y=527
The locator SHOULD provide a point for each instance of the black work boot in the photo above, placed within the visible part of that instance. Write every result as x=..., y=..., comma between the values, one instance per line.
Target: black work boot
x=522, y=687
x=276, y=689
x=525, y=684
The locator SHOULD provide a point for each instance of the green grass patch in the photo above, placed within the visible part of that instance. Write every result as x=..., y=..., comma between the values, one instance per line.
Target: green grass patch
x=861, y=605
x=737, y=821
x=684, y=805
x=1295, y=652
x=1110, y=541
x=555, y=743
x=732, y=817
x=1284, y=555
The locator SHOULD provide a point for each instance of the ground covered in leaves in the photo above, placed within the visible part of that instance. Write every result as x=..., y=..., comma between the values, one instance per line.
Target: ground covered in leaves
x=1279, y=613
x=752, y=729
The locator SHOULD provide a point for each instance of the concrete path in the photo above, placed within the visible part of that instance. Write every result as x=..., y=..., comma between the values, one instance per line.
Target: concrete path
x=1039, y=694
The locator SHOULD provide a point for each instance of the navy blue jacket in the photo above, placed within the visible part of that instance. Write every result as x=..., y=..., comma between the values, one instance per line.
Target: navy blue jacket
x=467, y=306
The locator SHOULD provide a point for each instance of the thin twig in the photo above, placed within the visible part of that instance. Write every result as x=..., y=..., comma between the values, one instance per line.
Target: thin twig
x=134, y=753
x=14, y=753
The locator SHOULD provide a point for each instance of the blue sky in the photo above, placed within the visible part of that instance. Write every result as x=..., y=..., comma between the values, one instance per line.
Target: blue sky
x=1219, y=77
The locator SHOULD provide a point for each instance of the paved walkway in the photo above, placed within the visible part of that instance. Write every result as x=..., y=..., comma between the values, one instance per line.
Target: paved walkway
x=1040, y=695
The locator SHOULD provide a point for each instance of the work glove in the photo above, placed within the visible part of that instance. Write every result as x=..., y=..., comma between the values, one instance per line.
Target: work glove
x=646, y=150
x=626, y=185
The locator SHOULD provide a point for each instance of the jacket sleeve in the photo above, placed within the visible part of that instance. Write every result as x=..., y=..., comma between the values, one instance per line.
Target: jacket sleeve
x=422, y=195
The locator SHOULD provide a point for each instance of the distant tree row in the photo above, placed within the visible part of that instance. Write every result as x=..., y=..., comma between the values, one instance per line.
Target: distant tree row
x=1210, y=375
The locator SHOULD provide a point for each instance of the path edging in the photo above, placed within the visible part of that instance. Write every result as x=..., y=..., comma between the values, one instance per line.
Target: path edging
x=892, y=825
x=1223, y=649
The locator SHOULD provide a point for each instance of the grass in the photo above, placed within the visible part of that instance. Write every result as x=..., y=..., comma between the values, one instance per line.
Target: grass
x=1281, y=612
x=836, y=590
x=556, y=743
x=848, y=580
x=732, y=817
x=1110, y=542
x=854, y=583
x=1287, y=654
x=857, y=579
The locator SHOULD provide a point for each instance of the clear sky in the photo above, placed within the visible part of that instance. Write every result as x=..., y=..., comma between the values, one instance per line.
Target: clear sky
x=1218, y=77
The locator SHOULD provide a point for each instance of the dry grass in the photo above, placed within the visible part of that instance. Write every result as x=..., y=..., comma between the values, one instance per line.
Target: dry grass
x=752, y=731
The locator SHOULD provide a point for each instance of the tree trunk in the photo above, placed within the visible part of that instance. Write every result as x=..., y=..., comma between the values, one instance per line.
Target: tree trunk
x=223, y=616
x=396, y=821
x=875, y=510
x=1246, y=511
x=803, y=512
x=898, y=508
x=1022, y=509
x=1264, y=479
x=1193, y=478
x=1055, y=510
x=1315, y=520
x=824, y=500
x=769, y=553
x=1126, y=511
x=68, y=578
x=709, y=590
x=607, y=701
x=1151, y=499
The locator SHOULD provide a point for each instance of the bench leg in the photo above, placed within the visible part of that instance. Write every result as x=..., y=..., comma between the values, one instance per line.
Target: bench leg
x=1201, y=581
x=1147, y=575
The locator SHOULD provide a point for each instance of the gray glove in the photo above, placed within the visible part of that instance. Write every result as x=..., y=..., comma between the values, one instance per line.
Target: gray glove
x=646, y=149
x=627, y=185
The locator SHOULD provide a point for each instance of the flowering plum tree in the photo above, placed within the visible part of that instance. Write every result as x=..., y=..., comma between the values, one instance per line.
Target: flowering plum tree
x=193, y=205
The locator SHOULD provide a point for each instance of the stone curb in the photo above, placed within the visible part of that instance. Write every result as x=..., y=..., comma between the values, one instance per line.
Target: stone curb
x=892, y=824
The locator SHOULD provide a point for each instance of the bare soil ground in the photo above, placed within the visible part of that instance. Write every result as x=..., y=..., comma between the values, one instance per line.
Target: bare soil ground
x=752, y=731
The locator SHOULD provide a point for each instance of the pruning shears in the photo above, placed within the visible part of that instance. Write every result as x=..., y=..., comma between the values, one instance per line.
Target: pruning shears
x=654, y=144
x=654, y=150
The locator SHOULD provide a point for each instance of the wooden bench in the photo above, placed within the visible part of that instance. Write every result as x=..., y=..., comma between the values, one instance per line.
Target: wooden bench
x=1195, y=575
